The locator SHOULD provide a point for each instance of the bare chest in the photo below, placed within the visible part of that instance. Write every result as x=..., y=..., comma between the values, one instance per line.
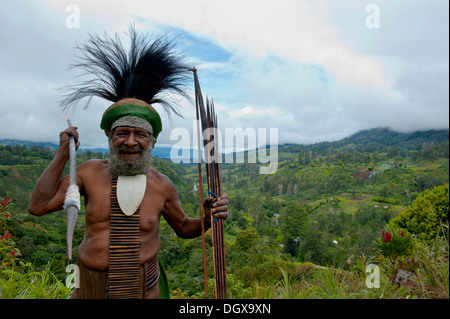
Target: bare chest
x=98, y=206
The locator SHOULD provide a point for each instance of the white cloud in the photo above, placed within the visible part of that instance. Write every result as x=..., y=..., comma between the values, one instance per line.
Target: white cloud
x=251, y=111
x=293, y=30
x=310, y=68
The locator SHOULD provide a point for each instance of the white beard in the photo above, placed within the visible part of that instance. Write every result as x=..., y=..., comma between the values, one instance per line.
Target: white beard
x=119, y=167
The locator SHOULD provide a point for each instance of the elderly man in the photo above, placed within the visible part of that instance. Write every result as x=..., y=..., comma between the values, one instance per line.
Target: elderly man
x=124, y=196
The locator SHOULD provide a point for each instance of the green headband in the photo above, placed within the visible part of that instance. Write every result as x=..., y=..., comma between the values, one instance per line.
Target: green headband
x=142, y=112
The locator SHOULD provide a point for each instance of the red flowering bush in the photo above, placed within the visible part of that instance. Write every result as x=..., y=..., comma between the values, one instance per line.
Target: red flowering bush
x=4, y=202
x=395, y=243
x=8, y=251
x=386, y=236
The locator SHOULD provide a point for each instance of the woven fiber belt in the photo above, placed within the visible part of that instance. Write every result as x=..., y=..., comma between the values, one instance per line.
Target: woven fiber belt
x=124, y=249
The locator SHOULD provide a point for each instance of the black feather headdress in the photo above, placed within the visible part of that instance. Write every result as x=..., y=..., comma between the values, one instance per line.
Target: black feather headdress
x=146, y=72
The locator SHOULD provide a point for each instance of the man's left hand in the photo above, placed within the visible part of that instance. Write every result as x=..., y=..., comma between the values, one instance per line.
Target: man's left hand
x=218, y=207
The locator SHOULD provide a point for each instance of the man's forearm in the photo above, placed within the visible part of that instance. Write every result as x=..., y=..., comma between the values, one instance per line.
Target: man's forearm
x=192, y=227
x=48, y=184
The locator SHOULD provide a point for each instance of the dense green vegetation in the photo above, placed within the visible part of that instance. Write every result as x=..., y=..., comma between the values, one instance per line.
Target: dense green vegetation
x=307, y=231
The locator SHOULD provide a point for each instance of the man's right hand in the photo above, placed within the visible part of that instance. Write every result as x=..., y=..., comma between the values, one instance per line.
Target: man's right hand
x=64, y=138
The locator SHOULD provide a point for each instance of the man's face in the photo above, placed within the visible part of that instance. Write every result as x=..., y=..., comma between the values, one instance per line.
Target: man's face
x=130, y=149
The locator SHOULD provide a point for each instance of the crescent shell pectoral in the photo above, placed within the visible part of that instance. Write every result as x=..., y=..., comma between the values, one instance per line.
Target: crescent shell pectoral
x=130, y=192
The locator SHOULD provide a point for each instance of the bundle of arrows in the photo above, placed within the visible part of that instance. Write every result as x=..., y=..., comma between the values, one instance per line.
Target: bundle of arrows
x=208, y=118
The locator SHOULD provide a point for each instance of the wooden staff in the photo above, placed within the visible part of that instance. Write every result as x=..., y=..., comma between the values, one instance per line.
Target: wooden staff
x=209, y=123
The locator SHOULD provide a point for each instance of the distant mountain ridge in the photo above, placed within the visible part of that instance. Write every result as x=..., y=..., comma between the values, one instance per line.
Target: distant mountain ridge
x=388, y=137
x=376, y=139
x=9, y=141
x=161, y=152
x=365, y=141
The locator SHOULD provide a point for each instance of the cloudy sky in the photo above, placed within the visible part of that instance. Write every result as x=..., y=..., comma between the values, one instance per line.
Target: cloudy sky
x=317, y=70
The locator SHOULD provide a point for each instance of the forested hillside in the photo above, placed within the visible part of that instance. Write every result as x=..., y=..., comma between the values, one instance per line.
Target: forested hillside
x=309, y=230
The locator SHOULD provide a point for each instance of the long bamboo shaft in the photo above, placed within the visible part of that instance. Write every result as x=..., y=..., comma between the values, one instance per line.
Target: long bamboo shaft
x=200, y=185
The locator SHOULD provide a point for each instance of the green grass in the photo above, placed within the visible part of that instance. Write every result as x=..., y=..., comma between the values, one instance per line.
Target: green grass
x=429, y=279
x=23, y=281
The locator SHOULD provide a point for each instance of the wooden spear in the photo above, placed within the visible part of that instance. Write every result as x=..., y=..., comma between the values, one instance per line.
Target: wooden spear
x=70, y=205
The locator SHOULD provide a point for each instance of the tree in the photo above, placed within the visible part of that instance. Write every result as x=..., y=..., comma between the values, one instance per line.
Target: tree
x=423, y=218
x=312, y=246
x=247, y=238
x=261, y=221
x=293, y=219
